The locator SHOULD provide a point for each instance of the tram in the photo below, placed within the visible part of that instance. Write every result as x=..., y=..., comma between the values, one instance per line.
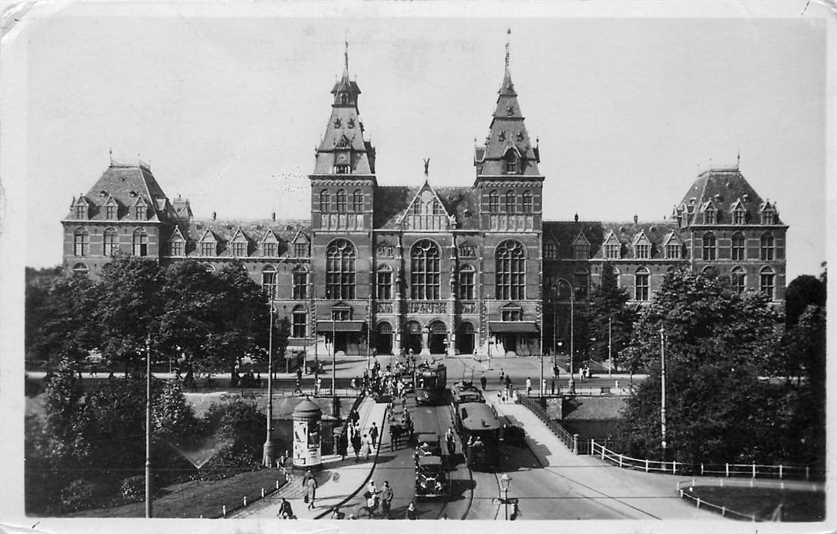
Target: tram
x=431, y=384
x=479, y=429
x=465, y=392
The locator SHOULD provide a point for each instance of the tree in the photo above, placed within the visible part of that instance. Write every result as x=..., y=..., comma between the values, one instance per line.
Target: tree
x=610, y=318
x=716, y=341
x=129, y=308
x=804, y=290
x=173, y=419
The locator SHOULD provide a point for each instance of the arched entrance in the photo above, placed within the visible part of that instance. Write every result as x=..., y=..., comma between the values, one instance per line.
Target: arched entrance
x=383, y=338
x=465, y=338
x=412, y=337
x=437, y=336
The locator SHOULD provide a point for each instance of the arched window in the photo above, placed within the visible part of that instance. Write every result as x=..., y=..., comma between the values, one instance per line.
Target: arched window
x=340, y=201
x=340, y=270
x=511, y=166
x=767, y=246
x=140, y=242
x=80, y=268
x=493, y=202
x=384, y=283
x=323, y=201
x=300, y=322
x=510, y=200
x=110, y=244
x=641, y=284
x=424, y=270
x=511, y=272
x=708, y=246
x=300, y=280
x=81, y=243
x=269, y=281
x=527, y=202
x=738, y=279
x=357, y=201
x=737, y=250
x=466, y=282
x=768, y=282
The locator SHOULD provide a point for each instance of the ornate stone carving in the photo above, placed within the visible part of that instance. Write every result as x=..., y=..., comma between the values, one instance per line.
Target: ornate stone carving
x=430, y=307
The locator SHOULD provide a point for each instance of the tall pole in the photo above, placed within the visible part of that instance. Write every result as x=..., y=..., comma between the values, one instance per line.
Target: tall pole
x=333, y=356
x=267, y=458
x=610, y=345
x=148, y=510
x=663, y=389
x=572, y=339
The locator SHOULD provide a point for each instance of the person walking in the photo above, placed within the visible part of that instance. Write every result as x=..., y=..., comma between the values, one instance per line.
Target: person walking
x=386, y=498
x=450, y=441
x=483, y=381
x=502, y=376
x=367, y=446
x=508, y=382
x=310, y=490
x=285, y=510
x=373, y=433
x=528, y=386
x=553, y=385
x=356, y=443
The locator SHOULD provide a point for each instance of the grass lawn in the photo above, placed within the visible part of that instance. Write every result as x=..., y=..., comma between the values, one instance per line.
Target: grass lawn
x=797, y=505
x=196, y=498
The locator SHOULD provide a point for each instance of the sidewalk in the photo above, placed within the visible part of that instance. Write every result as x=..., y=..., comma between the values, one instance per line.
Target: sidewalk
x=336, y=481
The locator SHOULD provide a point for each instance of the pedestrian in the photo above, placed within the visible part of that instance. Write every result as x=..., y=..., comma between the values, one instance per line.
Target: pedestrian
x=502, y=376
x=528, y=386
x=451, y=442
x=553, y=385
x=373, y=433
x=356, y=443
x=371, y=503
x=411, y=510
x=311, y=492
x=285, y=510
x=508, y=382
x=483, y=381
x=543, y=386
x=367, y=447
x=298, y=374
x=319, y=386
x=386, y=498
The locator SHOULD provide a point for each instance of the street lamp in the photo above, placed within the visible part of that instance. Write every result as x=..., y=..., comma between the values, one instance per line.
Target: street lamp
x=572, y=330
x=663, y=389
x=505, y=484
x=267, y=451
x=148, y=509
x=610, y=345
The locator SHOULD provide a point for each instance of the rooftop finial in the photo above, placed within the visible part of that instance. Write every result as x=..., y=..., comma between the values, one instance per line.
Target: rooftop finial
x=426, y=166
x=110, y=156
x=738, y=159
x=346, y=52
x=508, y=47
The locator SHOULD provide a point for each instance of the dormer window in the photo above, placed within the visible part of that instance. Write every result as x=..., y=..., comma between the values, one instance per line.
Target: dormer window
x=768, y=216
x=643, y=251
x=139, y=213
x=239, y=249
x=344, y=98
x=177, y=248
x=207, y=248
x=738, y=215
x=612, y=251
x=270, y=249
x=300, y=250
x=110, y=212
x=80, y=212
x=673, y=251
x=710, y=216
x=511, y=163
x=581, y=251
x=550, y=250
x=342, y=169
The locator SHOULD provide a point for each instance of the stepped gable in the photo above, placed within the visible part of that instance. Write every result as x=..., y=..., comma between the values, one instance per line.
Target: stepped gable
x=127, y=184
x=722, y=187
x=253, y=230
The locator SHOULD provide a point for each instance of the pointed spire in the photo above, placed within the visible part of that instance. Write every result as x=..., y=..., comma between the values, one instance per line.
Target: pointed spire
x=346, y=54
x=507, y=88
x=508, y=46
x=738, y=159
x=110, y=156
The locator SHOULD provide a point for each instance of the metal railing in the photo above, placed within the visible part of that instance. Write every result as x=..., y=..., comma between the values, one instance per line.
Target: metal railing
x=570, y=440
x=686, y=495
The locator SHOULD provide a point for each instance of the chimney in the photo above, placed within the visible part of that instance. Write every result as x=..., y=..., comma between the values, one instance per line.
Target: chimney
x=213, y=215
x=636, y=219
x=273, y=216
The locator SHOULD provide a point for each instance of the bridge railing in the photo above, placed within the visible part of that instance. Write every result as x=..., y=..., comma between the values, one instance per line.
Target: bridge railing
x=753, y=470
x=570, y=440
x=685, y=490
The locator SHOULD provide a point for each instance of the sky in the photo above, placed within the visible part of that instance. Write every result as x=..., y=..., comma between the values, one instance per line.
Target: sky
x=227, y=111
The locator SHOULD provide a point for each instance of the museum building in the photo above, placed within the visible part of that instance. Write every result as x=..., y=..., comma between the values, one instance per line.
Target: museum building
x=435, y=270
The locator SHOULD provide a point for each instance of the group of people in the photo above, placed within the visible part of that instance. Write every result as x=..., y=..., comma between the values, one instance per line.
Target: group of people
x=363, y=443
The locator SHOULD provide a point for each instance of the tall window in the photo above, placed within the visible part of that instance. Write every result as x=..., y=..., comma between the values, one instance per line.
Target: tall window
x=738, y=279
x=493, y=202
x=581, y=283
x=140, y=243
x=466, y=282
x=767, y=246
x=526, y=199
x=768, y=282
x=511, y=162
x=511, y=277
x=340, y=270
x=737, y=250
x=641, y=284
x=81, y=243
x=110, y=212
x=708, y=246
x=109, y=242
x=323, y=201
x=384, y=283
x=550, y=250
x=738, y=215
x=340, y=201
x=269, y=281
x=424, y=270
x=300, y=322
x=643, y=251
x=357, y=201
x=510, y=199
x=300, y=283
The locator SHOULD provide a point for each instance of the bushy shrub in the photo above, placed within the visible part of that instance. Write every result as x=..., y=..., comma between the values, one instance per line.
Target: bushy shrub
x=77, y=495
x=132, y=488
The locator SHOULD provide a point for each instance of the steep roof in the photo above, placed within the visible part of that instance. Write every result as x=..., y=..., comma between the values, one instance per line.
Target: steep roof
x=128, y=185
x=564, y=233
x=722, y=189
x=254, y=231
x=392, y=201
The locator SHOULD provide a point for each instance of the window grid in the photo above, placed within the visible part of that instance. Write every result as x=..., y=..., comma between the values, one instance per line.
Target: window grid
x=738, y=216
x=207, y=248
x=81, y=212
x=466, y=283
x=177, y=248
x=643, y=251
x=493, y=202
x=767, y=247
x=612, y=250
x=357, y=201
x=709, y=246
x=323, y=201
x=768, y=217
x=738, y=279
x=511, y=314
x=110, y=212
x=424, y=271
x=81, y=244
x=300, y=324
x=510, y=271
x=340, y=201
x=270, y=249
x=110, y=244
x=300, y=250
x=768, y=283
x=384, y=284
x=239, y=249
x=510, y=201
x=673, y=252
x=527, y=202
x=140, y=243
x=340, y=270
x=139, y=213
x=269, y=282
x=641, y=285
x=581, y=251
x=300, y=280
x=710, y=217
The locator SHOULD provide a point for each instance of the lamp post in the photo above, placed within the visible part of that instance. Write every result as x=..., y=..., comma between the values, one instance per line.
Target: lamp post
x=148, y=509
x=267, y=451
x=505, y=484
x=663, y=389
x=610, y=345
x=333, y=356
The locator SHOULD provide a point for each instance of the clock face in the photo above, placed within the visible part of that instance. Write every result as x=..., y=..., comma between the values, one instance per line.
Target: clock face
x=426, y=197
